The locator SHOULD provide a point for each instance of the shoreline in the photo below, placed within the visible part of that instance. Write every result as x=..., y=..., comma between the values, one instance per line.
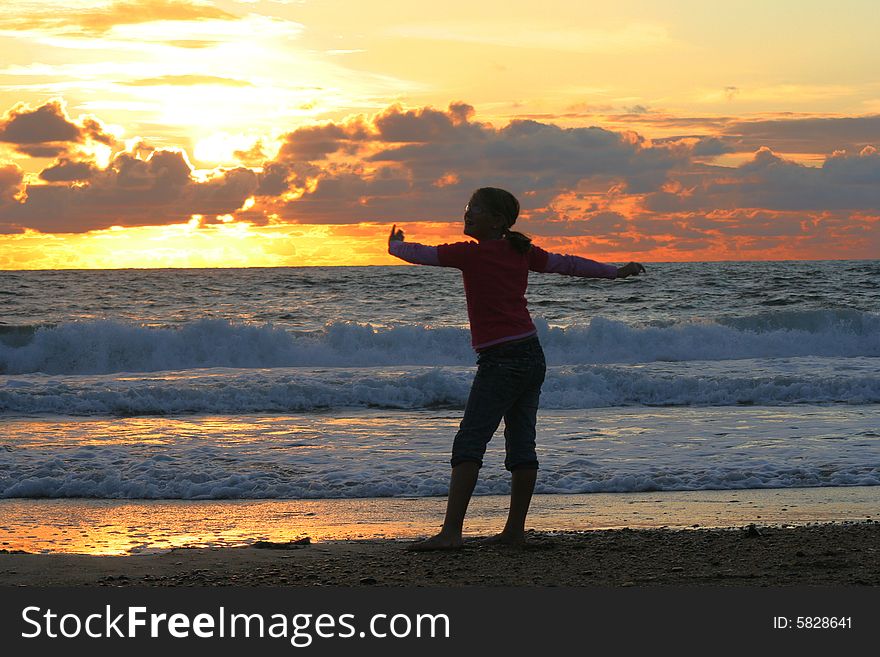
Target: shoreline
x=753, y=538
x=824, y=554
x=138, y=527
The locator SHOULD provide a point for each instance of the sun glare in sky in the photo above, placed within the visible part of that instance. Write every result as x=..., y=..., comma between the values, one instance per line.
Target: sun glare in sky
x=233, y=133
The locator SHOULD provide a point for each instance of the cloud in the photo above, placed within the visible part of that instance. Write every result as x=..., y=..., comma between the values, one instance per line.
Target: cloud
x=712, y=146
x=98, y=21
x=768, y=181
x=597, y=224
x=67, y=170
x=697, y=146
x=593, y=189
x=187, y=81
x=756, y=223
x=254, y=156
x=47, y=131
x=192, y=43
x=787, y=133
x=690, y=123
x=425, y=124
x=273, y=180
x=130, y=191
x=806, y=135
x=11, y=177
x=10, y=181
x=312, y=143
x=422, y=163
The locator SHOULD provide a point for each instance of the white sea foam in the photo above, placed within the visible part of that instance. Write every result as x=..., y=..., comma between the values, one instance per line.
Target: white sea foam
x=111, y=346
x=221, y=360
x=370, y=454
x=221, y=390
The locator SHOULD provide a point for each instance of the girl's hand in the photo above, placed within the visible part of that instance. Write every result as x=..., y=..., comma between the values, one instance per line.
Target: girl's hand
x=630, y=269
x=396, y=235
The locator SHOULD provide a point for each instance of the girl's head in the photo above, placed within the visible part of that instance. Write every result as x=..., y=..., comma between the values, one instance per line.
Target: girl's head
x=489, y=215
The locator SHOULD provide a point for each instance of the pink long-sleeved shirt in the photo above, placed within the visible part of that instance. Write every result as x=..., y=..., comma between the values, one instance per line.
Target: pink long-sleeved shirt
x=495, y=279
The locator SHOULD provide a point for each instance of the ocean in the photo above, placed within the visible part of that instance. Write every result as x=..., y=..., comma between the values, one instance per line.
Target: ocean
x=349, y=382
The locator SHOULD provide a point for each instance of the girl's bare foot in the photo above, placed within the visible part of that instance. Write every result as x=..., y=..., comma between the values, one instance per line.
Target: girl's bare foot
x=506, y=538
x=438, y=542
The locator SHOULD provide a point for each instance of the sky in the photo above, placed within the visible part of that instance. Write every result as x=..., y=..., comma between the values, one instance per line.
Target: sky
x=232, y=133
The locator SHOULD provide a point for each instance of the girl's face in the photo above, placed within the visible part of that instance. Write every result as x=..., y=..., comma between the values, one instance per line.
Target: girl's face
x=480, y=222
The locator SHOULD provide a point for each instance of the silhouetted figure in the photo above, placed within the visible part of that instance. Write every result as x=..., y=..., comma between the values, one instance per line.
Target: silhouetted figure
x=510, y=362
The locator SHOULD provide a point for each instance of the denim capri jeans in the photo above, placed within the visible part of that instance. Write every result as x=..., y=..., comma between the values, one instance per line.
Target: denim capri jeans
x=507, y=386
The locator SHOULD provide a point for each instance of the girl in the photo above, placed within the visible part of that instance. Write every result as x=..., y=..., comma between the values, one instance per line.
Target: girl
x=510, y=360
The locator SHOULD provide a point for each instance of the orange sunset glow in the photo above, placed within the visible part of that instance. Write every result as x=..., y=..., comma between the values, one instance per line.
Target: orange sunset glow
x=260, y=133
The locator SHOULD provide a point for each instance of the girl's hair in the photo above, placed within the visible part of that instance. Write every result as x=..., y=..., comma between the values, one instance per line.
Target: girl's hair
x=502, y=202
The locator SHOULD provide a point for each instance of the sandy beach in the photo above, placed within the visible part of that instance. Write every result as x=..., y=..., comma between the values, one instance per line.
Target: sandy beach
x=774, y=537
x=827, y=554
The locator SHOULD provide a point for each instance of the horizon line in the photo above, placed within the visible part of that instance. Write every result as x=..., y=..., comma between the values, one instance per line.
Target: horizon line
x=653, y=262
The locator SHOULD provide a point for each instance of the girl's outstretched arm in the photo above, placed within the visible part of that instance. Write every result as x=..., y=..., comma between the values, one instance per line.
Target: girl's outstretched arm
x=571, y=265
x=418, y=254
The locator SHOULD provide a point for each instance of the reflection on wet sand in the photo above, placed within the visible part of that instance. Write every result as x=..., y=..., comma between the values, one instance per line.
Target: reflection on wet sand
x=111, y=527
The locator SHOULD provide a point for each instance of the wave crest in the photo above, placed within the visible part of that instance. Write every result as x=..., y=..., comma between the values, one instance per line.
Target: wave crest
x=104, y=347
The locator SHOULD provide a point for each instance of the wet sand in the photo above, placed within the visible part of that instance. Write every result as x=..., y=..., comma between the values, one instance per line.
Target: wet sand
x=121, y=527
x=822, y=554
